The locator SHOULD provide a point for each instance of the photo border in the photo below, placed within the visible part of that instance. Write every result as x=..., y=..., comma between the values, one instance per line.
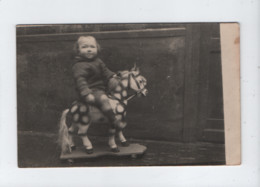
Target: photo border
x=15, y=12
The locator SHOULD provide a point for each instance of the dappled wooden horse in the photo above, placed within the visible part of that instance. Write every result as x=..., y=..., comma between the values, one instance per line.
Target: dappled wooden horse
x=130, y=84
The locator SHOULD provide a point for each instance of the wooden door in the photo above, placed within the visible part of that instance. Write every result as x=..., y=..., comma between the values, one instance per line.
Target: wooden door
x=211, y=116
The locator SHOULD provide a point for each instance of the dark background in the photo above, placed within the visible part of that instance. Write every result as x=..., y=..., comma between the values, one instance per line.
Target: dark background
x=182, y=63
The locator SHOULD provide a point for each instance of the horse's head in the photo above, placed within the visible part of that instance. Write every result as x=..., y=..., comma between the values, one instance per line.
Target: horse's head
x=130, y=83
x=137, y=82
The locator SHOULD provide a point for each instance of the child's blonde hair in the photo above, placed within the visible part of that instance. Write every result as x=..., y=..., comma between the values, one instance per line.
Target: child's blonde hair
x=76, y=45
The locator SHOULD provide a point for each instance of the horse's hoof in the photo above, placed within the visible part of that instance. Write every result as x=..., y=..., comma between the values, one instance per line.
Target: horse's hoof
x=89, y=151
x=115, y=150
x=125, y=144
x=73, y=148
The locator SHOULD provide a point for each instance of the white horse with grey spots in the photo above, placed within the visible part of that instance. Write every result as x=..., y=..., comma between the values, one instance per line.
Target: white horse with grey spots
x=131, y=83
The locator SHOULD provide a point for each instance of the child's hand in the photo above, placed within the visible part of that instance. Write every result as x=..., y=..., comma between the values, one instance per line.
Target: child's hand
x=113, y=82
x=90, y=98
x=115, y=76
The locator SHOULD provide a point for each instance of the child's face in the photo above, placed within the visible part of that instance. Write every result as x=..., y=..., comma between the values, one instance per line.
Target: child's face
x=88, y=47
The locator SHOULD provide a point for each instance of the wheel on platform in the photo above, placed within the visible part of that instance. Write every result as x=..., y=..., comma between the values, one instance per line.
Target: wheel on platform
x=133, y=156
x=136, y=156
x=70, y=161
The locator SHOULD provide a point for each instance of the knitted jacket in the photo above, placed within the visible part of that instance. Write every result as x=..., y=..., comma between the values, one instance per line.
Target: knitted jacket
x=90, y=74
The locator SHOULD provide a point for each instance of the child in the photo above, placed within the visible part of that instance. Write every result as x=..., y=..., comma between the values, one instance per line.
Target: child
x=91, y=76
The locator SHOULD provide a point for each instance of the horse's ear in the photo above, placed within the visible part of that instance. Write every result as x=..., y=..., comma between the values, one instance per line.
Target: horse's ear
x=135, y=68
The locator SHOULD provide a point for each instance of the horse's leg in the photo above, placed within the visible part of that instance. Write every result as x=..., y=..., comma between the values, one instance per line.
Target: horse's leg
x=120, y=134
x=111, y=140
x=122, y=138
x=107, y=108
x=71, y=136
x=83, y=134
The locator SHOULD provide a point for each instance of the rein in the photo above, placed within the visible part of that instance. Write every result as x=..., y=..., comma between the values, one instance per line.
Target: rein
x=135, y=94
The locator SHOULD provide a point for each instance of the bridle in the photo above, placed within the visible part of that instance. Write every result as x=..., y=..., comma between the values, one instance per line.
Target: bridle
x=131, y=75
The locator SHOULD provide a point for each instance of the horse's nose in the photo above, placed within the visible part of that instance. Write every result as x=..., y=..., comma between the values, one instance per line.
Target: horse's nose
x=145, y=92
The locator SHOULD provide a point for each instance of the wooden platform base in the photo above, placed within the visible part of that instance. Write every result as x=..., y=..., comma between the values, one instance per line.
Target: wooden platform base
x=132, y=150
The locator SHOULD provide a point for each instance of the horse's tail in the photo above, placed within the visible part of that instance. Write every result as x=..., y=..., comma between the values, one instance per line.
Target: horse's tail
x=64, y=140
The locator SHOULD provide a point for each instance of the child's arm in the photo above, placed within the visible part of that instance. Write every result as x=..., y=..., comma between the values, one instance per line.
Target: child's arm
x=80, y=73
x=107, y=74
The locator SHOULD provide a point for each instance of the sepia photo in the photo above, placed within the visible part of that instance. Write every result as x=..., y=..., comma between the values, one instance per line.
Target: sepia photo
x=146, y=94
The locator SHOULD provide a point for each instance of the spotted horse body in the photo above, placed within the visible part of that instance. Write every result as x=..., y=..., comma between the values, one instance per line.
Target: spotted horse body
x=82, y=115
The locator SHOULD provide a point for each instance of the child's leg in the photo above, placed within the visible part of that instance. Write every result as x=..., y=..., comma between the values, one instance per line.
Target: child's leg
x=103, y=104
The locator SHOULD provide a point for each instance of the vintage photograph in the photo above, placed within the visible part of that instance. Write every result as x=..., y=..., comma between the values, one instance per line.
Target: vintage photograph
x=91, y=95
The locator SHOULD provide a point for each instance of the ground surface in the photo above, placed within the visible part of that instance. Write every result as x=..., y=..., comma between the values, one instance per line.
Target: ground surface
x=41, y=150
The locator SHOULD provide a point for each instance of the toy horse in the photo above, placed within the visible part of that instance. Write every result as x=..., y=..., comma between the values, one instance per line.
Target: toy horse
x=84, y=115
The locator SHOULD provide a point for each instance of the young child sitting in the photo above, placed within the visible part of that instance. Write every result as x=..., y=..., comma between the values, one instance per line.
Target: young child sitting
x=91, y=76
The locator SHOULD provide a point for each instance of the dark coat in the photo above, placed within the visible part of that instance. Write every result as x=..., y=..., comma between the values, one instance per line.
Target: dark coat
x=90, y=75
